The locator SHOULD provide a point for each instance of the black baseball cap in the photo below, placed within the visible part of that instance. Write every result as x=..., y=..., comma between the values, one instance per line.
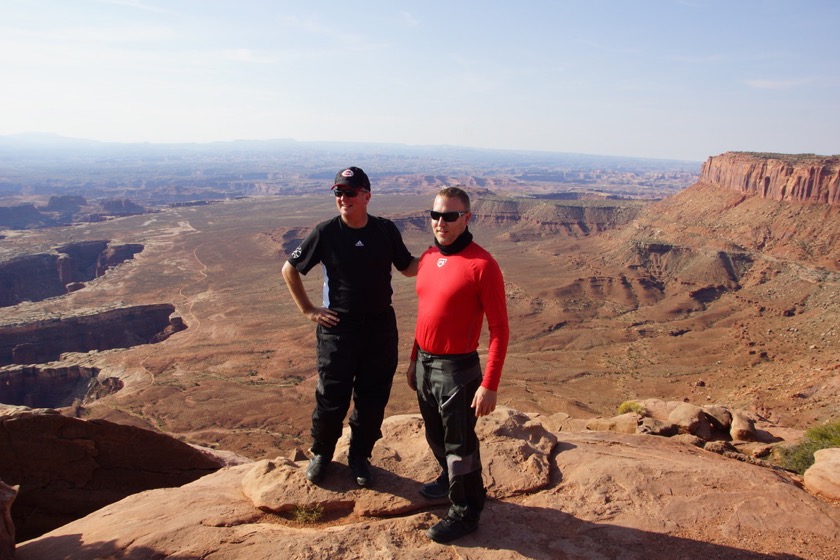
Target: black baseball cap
x=352, y=178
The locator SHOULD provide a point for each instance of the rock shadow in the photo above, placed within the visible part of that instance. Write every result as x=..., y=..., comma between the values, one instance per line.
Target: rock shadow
x=551, y=534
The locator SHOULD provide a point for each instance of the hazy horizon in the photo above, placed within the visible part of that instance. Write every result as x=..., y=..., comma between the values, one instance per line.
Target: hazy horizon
x=670, y=79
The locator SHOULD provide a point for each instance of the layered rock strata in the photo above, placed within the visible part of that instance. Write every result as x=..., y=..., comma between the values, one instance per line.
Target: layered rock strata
x=37, y=277
x=44, y=341
x=54, y=387
x=794, y=178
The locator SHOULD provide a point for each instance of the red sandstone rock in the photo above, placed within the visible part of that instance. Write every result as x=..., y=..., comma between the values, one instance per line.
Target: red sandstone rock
x=45, y=340
x=607, y=495
x=823, y=478
x=743, y=427
x=794, y=178
x=7, y=527
x=67, y=468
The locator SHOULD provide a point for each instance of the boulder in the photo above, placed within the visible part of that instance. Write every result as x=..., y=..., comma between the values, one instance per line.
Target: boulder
x=690, y=419
x=743, y=427
x=624, y=423
x=655, y=427
x=719, y=416
x=823, y=477
x=657, y=408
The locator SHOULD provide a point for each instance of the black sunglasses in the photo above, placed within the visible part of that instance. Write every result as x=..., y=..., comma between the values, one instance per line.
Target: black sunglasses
x=348, y=194
x=447, y=216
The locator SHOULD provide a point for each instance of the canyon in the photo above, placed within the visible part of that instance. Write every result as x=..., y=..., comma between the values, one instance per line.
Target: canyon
x=725, y=292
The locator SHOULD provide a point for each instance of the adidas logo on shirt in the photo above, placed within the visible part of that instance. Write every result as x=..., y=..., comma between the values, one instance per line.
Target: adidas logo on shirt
x=359, y=243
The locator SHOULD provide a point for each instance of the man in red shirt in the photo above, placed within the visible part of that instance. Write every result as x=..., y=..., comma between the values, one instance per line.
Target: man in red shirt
x=458, y=284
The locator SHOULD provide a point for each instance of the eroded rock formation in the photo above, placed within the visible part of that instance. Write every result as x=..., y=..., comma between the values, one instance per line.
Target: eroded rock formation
x=557, y=492
x=65, y=204
x=23, y=216
x=552, y=217
x=797, y=178
x=823, y=478
x=44, y=341
x=121, y=207
x=67, y=467
x=7, y=526
x=54, y=387
x=37, y=277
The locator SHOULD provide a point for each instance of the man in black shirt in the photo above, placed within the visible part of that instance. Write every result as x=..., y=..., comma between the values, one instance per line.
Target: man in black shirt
x=357, y=330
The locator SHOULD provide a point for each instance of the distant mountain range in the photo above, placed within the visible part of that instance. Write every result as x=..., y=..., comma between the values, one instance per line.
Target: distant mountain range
x=385, y=157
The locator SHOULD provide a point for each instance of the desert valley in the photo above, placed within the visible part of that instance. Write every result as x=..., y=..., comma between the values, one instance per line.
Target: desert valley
x=173, y=318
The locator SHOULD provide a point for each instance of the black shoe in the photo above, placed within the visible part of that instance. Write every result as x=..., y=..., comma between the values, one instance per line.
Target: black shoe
x=437, y=489
x=450, y=528
x=317, y=469
x=360, y=467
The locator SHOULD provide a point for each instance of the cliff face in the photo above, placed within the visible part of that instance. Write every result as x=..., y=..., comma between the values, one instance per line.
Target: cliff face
x=68, y=468
x=45, y=341
x=37, y=277
x=54, y=387
x=794, y=178
x=555, y=217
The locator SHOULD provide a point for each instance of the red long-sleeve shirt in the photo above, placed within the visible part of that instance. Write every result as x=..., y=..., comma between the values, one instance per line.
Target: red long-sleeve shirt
x=454, y=294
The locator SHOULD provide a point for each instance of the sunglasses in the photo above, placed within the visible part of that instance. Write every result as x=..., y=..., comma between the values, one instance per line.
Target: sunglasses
x=348, y=194
x=447, y=216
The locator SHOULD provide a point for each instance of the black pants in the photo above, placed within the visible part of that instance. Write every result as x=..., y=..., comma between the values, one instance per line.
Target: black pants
x=446, y=385
x=357, y=358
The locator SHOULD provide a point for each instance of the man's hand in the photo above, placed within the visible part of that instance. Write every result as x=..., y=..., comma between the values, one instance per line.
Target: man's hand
x=411, y=375
x=484, y=402
x=322, y=316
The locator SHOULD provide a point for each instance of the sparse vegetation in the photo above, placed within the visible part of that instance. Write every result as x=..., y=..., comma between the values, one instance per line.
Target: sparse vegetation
x=632, y=406
x=307, y=514
x=800, y=457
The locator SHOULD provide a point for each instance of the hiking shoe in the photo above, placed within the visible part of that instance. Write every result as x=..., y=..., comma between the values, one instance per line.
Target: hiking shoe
x=450, y=528
x=317, y=469
x=437, y=489
x=360, y=467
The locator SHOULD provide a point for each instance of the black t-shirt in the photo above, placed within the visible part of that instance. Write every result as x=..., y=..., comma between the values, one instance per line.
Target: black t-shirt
x=356, y=262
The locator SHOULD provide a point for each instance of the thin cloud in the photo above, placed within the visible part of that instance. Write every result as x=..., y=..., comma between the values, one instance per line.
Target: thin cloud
x=707, y=59
x=774, y=84
x=334, y=35
x=409, y=19
x=82, y=35
x=246, y=55
x=137, y=5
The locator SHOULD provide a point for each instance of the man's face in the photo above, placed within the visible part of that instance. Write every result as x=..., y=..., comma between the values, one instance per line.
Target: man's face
x=447, y=232
x=351, y=208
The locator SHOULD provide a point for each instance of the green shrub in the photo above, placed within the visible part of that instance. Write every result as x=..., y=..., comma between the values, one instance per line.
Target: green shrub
x=632, y=406
x=800, y=457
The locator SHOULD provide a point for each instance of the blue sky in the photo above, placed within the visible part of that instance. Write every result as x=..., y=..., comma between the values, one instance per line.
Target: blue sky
x=678, y=79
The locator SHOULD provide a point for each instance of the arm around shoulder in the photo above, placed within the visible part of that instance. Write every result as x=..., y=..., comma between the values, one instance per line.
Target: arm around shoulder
x=411, y=270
